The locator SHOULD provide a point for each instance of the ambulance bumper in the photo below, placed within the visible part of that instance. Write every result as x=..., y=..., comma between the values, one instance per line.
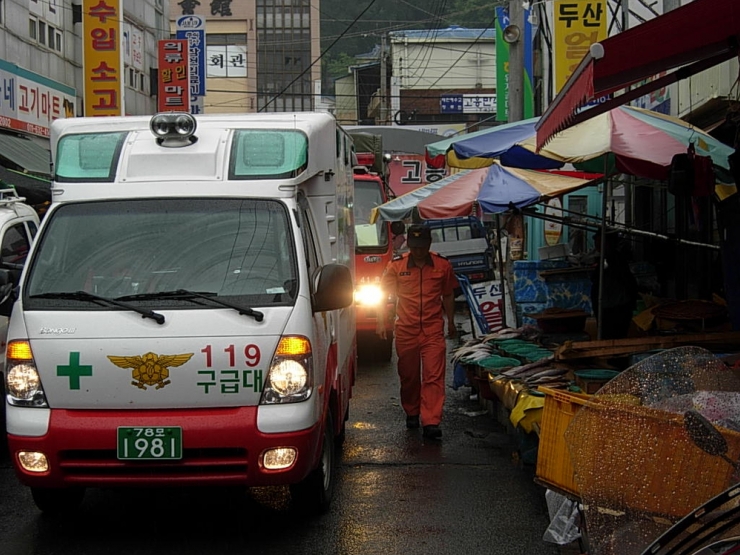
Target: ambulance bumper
x=219, y=447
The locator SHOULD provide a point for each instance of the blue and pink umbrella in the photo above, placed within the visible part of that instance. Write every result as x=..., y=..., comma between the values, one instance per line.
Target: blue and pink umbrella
x=642, y=143
x=492, y=190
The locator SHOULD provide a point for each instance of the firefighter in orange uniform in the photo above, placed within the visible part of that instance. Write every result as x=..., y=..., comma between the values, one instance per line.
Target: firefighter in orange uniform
x=423, y=283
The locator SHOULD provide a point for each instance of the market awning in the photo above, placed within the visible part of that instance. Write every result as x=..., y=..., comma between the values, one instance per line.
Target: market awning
x=25, y=153
x=694, y=37
x=35, y=190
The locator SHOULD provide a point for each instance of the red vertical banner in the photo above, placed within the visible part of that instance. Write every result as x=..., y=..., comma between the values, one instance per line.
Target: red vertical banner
x=173, y=93
x=102, y=57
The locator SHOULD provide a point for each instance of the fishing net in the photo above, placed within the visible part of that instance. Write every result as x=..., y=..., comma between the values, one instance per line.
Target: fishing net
x=637, y=469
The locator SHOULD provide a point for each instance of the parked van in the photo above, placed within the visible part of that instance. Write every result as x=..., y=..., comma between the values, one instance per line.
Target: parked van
x=465, y=243
x=185, y=316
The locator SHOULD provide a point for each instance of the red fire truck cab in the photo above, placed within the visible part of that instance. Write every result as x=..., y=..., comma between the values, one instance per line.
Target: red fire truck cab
x=373, y=249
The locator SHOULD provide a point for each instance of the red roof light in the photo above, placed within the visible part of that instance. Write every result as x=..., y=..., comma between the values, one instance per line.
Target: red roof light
x=365, y=159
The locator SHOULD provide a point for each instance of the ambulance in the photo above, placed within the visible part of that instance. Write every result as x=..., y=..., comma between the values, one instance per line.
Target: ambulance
x=185, y=316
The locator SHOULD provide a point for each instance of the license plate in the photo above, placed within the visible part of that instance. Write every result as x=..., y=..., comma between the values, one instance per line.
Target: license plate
x=145, y=443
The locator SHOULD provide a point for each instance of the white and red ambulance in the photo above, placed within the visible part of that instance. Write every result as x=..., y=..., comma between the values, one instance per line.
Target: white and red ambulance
x=185, y=315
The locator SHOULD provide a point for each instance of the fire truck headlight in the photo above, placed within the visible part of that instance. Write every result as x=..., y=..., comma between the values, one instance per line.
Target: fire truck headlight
x=369, y=295
x=23, y=386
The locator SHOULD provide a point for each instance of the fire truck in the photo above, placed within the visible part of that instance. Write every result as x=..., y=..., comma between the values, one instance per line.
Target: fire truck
x=373, y=246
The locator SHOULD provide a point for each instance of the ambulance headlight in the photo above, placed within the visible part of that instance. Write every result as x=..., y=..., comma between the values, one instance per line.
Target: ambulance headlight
x=369, y=295
x=173, y=125
x=23, y=386
x=290, y=379
x=22, y=381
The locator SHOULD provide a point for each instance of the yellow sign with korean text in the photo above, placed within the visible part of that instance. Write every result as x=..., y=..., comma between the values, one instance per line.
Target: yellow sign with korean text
x=578, y=24
x=102, y=57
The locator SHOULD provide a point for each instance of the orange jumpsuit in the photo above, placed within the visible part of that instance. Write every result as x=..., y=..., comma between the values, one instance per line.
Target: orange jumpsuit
x=419, y=331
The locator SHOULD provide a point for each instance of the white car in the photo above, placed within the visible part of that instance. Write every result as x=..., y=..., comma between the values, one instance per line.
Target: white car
x=18, y=225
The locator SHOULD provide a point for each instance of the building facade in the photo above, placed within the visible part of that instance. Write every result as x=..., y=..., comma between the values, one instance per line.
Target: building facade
x=41, y=65
x=442, y=76
x=260, y=55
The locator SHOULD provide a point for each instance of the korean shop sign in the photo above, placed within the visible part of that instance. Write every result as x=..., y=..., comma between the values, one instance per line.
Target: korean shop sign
x=578, y=24
x=29, y=102
x=173, y=94
x=193, y=28
x=467, y=103
x=102, y=57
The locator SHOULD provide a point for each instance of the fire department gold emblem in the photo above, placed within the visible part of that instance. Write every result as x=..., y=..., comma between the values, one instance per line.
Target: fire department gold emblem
x=150, y=369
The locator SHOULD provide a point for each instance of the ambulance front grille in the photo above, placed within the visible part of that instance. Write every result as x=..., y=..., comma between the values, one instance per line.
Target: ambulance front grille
x=216, y=464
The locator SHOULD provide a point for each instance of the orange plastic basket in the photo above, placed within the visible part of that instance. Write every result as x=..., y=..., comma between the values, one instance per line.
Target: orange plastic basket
x=639, y=458
x=554, y=468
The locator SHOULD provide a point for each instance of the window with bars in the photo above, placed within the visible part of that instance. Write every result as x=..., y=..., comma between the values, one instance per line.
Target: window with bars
x=284, y=57
x=43, y=33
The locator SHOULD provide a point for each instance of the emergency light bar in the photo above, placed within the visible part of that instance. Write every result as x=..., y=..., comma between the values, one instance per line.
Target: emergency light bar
x=365, y=159
x=173, y=125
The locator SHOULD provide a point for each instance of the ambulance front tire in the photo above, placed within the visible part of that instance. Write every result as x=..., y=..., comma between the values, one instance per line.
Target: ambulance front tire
x=55, y=501
x=313, y=495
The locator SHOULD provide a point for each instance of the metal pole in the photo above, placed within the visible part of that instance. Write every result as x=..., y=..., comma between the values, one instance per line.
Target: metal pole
x=625, y=14
x=383, y=83
x=516, y=63
x=501, y=269
x=604, y=203
x=669, y=5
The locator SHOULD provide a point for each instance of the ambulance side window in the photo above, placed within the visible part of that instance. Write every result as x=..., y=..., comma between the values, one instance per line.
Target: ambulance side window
x=308, y=236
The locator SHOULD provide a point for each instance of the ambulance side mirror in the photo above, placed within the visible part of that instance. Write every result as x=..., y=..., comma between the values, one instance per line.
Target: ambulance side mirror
x=334, y=289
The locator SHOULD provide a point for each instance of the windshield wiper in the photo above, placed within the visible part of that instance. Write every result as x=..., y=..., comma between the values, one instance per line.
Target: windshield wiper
x=85, y=296
x=185, y=294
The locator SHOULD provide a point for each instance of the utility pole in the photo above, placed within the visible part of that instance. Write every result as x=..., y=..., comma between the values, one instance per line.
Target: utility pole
x=669, y=5
x=516, y=63
x=514, y=36
x=383, y=83
x=625, y=14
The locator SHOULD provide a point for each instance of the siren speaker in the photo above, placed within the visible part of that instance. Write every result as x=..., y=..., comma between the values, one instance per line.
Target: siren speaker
x=512, y=33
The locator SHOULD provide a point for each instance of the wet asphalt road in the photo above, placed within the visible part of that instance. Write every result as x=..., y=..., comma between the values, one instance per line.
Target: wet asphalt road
x=397, y=494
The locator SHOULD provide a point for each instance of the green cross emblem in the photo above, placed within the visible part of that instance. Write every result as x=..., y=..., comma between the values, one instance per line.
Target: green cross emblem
x=74, y=370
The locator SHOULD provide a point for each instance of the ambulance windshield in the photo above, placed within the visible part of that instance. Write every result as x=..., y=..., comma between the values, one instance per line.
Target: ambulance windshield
x=237, y=249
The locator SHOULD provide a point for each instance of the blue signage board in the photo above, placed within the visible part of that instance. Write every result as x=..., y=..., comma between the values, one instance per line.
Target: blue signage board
x=451, y=104
x=193, y=28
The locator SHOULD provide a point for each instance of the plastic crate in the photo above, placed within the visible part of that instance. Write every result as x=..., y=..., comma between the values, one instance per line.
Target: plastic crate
x=554, y=467
x=638, y=458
